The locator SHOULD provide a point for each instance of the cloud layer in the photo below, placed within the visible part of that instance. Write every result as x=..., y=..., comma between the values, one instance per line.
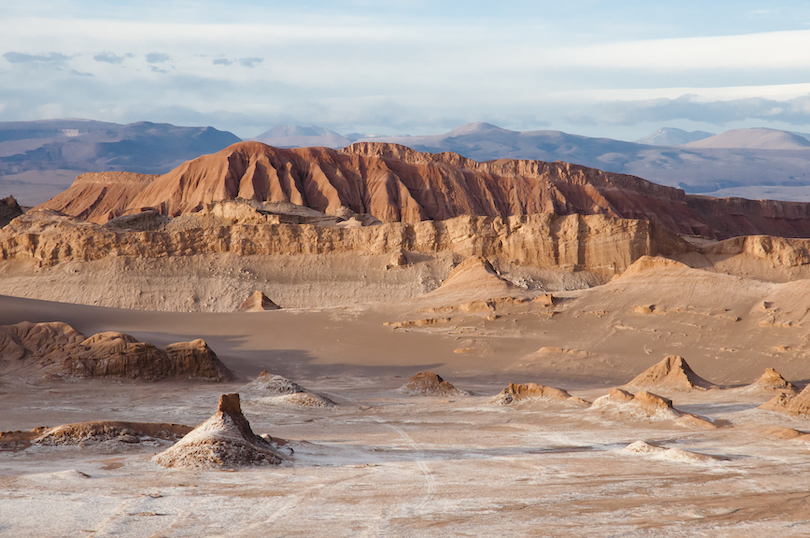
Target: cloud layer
x=413, y=67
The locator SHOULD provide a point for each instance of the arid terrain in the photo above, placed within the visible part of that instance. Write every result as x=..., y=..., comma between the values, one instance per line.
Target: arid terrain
x=421, y=345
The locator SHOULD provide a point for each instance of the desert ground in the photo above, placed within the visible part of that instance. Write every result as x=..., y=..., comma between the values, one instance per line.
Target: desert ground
x=383, y=461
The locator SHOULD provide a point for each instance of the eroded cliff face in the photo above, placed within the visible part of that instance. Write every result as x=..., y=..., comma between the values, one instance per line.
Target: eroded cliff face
x=396, y=184
x=595, y=243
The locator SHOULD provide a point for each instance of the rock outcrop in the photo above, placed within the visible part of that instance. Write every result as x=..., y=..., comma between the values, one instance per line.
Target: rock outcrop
x=797, y=405
x=90, y=433
x=596, y=243
x=258, y=302
x=57, y=349
x=396, y=184
x=645, y=405
x=430, y=384
x=224, y=441
x=83, y=433
x=532, y=392
x=277, y=390
x=9, y=210
x=772, y=381
x=672, y=373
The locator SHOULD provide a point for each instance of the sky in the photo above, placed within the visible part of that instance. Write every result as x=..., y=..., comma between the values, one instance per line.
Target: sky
x=591, y=67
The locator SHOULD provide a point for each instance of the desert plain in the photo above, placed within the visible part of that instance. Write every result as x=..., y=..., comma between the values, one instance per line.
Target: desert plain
x=574, y=354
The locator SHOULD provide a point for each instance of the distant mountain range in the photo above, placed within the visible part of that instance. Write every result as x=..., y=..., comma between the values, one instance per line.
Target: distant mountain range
x=670, y=136
x=40, y=159
x=749, y=163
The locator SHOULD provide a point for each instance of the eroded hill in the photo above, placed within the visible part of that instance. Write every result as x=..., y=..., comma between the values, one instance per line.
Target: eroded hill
x=396, y=184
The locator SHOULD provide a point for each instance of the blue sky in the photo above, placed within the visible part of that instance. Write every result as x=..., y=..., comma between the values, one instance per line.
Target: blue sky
x=598, y=68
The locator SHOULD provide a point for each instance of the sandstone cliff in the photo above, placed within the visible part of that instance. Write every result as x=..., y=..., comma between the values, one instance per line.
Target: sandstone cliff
x=597, y=243
x=396, y=184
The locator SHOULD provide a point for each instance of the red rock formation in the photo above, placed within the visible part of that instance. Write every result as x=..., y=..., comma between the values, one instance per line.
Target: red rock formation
x=396, y=184
x=99, y=196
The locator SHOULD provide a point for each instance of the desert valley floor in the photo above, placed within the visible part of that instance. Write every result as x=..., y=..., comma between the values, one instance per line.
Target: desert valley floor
x=386, y=462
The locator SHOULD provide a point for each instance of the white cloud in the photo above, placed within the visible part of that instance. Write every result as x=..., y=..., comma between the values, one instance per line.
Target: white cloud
x=773, y=50
x=383, y=74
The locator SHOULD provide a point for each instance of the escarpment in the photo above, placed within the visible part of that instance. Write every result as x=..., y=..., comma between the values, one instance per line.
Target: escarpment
x=396, y=184
x=596, y=242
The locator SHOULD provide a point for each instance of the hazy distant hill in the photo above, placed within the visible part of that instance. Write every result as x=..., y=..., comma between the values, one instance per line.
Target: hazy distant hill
x=750, y=171
x=39, y=159
x=294, y=136
x=670, y=136
x=753, y=139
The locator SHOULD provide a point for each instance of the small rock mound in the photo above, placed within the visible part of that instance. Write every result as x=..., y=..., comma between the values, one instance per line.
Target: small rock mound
x=770, y=381
x=278, y=390
x=532, y=392
x=258, y=302
x=224, y=441
x=9, y=210
x=671, y=373
x=299, y=399
x=82, y=433
x=430, y=384
x=798, y=405
x=645, y=405
x=672, y=454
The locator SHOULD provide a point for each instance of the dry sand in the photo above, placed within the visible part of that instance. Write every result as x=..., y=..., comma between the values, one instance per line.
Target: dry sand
x=384, y=463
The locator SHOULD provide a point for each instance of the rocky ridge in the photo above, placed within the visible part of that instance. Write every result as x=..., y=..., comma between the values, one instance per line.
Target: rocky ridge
x=396, y=184
x=575, y=242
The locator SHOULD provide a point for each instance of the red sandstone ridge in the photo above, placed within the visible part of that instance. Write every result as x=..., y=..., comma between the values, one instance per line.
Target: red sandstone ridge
x=396, y=184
